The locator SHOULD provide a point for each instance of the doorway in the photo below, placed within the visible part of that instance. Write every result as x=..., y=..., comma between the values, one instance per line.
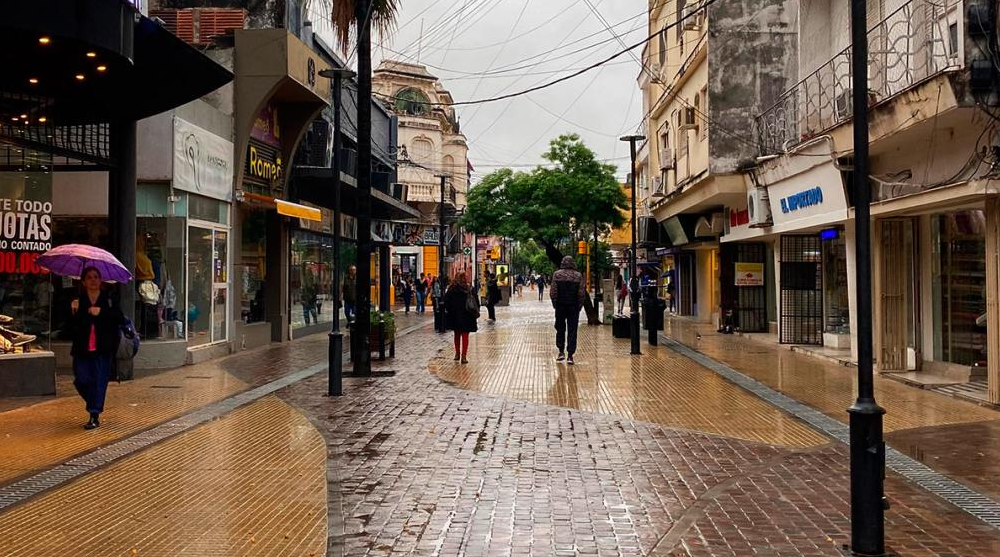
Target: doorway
x=899, y=296
x=801, y=304
x=207, y=286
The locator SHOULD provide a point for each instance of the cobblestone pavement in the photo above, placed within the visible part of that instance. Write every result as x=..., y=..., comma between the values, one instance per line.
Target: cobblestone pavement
x=420, y=466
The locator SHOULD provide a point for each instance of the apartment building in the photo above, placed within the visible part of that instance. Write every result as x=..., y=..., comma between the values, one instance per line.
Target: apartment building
x=710, y=69
x=936, y=218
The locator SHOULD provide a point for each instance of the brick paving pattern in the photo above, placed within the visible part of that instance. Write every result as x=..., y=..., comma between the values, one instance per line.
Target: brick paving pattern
x=209, y=491
x=424, y=468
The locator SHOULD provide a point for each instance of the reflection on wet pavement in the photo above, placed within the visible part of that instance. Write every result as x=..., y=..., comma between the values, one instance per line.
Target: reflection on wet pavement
x=516, y=359
x=210, y=491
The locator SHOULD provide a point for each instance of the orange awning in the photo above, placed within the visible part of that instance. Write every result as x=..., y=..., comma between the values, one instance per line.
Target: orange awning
x=287, y=208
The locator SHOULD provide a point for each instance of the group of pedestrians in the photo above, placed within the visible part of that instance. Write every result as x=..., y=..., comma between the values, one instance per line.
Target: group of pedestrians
x=416, y=290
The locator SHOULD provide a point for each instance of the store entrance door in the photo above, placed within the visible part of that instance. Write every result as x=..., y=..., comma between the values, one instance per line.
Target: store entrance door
x=744, y=292
x=801, y=304
x=207, y=284
x=899, y=296
x=686, y=291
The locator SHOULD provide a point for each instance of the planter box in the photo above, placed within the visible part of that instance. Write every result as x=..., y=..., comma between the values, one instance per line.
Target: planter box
x=29, y=374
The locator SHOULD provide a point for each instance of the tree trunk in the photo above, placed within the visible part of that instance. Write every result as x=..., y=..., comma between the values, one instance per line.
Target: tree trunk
x=556, y=257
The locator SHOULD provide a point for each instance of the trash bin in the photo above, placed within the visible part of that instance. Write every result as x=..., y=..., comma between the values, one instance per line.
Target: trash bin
x=652, y=315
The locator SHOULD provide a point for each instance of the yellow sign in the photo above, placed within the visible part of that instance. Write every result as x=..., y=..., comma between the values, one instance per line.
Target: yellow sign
x=581, y=247
x=495, y=253
x=264, y=163
x=295, y=210
x=749, y=274
x=503, y=275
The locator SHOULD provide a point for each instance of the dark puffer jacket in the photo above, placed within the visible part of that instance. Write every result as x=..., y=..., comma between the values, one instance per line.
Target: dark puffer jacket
x=567, y=287
x=106, y=325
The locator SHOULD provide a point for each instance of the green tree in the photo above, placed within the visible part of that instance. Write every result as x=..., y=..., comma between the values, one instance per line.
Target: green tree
x=549, y=205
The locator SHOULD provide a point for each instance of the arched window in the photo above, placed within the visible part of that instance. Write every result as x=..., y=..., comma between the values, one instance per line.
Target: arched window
x=449, y=165
x=421, y=149
x=412, y=101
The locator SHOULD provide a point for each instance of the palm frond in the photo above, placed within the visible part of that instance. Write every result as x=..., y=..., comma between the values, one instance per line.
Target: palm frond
x=383, y=19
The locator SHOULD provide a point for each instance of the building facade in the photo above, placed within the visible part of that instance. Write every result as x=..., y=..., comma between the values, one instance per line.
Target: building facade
x=431, y=146
x=704, y=76
x=932, y=96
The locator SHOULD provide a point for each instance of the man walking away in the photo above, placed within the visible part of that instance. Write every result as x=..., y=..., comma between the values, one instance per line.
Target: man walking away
x=349, y=293
x=567, y=293
x=421, y=293
x=492, y=296
x=541, y=286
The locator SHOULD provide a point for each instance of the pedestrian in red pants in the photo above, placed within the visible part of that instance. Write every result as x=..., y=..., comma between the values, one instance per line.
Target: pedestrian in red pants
x=461, y=314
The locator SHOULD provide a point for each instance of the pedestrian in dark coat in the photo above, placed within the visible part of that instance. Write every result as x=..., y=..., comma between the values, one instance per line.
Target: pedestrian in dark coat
x=567, y=293
x=457, y=315
x=95, y=326
x=541, y=286
x=407, y=293
x=492, y=296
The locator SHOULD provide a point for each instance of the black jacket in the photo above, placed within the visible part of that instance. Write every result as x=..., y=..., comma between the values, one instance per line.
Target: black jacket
x=568, y=287
x=456, y=317
x=493, y=292
x=107, y=326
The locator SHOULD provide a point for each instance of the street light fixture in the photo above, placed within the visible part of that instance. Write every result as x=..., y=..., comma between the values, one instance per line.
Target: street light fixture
x=335, y=371
x=633, y=315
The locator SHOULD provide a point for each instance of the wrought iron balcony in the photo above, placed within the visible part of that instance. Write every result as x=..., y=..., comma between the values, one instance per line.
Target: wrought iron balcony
x=917, y=41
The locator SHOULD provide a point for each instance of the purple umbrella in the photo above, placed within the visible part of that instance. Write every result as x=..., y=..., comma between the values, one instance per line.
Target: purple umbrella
x=71, y=259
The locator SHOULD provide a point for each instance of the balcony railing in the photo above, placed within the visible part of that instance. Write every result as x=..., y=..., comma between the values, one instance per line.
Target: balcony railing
x=917, y=41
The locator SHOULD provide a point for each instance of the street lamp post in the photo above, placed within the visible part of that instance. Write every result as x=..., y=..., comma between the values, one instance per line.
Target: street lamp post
x=438, y=309
x=867, y=446
x=335, y=369
x=362, y=323
x=633, y=305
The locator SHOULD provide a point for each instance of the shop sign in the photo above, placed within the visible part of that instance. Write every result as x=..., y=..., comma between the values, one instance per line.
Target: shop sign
x=431, y=236
x=263, y=163
x=802, y=199
x=25, y=221
x=738, y=218
x=404, y=233
x=749, y=274
x=203, y=161
x=503, y=275
x=265, y=127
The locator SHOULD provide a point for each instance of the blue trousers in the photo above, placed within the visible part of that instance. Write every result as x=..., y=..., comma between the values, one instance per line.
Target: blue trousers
x=91, y=376
x=421, y=301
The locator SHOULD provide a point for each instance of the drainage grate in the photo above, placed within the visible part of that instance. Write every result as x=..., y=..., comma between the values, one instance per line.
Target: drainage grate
x=164, y=386
x=960, y=495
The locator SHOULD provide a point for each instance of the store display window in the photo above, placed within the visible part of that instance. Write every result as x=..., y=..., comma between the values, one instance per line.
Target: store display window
x=159, y=278
x=836, y=303
x=253, y=266
x=311, y=277
x=959, y=287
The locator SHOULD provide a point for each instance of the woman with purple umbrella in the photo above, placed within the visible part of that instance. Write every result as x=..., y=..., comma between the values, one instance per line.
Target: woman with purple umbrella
x=95, y=321
x=94, y=325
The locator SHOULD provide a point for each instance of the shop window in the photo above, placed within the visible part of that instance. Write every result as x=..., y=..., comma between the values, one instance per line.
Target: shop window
x=959, y=287
x=160, y=262
x=836, y=307
x=253, y=266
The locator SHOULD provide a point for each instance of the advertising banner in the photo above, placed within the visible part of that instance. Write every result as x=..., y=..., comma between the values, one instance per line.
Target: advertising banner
x=25, y=221
x=749, y=274
x=203, y=161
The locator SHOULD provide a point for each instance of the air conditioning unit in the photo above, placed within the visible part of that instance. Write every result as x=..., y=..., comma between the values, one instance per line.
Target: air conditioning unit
x=658, y=187
x=842, y=105
x=688, y=119
x=691, y=21
x=666, y=159
x=759, y=208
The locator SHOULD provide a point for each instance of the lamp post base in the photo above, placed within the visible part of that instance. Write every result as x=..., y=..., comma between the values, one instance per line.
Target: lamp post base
x=868, y=502
x=634, y=327
x=335, y=370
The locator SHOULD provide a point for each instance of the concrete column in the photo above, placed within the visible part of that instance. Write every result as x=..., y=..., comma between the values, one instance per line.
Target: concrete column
x=121, y=206
x=384, y=278
x=276, y=280
x=926, y=253
x=993, y=298
x=852, y=288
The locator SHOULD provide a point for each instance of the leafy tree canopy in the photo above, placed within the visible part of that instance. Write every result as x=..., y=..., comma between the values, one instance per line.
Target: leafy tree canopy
x=546, y=204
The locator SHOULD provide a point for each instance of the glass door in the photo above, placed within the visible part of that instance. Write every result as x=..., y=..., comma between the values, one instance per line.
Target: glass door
x=207, y=309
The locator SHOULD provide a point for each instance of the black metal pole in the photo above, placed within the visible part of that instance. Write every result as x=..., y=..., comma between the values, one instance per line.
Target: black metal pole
x=867, y=447
x=597, y=279
x=438, y=309
x=633, y=306
x=335, y=371
x=121, y=206
x=362, y=324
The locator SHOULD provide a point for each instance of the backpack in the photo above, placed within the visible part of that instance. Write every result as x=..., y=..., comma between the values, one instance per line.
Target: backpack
x=472, y=304
x=128, y=347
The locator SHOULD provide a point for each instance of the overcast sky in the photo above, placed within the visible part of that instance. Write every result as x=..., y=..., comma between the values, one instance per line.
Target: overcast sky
x=524, y=43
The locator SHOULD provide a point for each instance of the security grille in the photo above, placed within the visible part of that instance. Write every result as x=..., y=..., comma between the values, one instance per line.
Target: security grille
x=801, y=308
x=748, y=304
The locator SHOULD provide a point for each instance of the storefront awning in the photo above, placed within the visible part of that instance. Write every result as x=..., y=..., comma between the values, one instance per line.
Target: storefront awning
x=283, y=207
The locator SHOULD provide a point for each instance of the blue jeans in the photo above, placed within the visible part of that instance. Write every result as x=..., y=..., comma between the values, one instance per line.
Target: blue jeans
x=91, y=376
x=349, y=311
x=421, y=301
x=308, y=311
